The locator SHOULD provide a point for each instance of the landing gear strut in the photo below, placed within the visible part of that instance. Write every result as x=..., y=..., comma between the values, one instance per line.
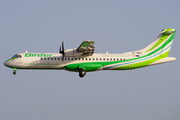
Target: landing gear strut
x=14, y=69
x=82, y=72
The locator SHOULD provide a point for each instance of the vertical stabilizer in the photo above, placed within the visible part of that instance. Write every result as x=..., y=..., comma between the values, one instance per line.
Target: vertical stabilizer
x=162, y=44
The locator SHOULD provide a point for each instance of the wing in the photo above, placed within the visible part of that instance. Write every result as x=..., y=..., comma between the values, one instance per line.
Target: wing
x=86, y=48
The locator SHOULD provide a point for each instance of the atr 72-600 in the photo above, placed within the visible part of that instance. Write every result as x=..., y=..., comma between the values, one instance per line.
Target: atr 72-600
x=83, y=59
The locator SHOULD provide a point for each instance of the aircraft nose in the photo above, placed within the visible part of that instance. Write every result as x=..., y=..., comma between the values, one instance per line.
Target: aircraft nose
x=5, y=63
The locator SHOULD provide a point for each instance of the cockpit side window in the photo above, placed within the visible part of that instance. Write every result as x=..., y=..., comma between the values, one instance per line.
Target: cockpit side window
x=17, y=56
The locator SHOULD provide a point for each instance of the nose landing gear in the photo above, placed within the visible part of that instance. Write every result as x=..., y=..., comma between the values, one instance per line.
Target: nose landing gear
x=14, y=69
x=14, y=73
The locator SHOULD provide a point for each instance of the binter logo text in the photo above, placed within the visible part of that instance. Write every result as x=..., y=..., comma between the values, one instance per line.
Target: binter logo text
x=37, y=55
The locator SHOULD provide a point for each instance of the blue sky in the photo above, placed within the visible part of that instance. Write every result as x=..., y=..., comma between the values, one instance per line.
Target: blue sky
x=115, y=26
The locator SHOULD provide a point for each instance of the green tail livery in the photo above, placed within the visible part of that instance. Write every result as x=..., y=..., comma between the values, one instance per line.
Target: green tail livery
x=83, y=59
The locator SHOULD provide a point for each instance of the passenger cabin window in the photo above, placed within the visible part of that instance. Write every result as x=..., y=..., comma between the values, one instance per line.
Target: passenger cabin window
x=93, y=58
x=97, y=59
x=68, y=58
x=124, y=59
x=79, y=58
x=58, y=58
x=54, y=58
x=86, y=59
x=44, y=58
x=107, y=59
x=48, y=58
x=89, y=58
x=82, y=58
x=71, y=58
x=51, y=58
x=41, y=58
x=104, y=59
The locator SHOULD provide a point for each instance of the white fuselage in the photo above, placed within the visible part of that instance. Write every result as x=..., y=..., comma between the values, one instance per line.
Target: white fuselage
x=55, y=60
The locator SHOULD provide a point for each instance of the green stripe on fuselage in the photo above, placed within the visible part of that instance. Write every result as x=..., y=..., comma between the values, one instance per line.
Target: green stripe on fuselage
x=143, y=63
x=10, y=59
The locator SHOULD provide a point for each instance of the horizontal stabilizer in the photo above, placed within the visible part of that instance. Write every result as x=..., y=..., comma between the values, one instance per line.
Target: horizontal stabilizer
x=164, y=60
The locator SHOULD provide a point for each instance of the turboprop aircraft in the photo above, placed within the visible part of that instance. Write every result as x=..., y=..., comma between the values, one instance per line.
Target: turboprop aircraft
x=83, y=59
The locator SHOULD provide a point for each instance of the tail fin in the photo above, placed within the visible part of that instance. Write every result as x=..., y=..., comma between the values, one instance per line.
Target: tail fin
x=162, y=44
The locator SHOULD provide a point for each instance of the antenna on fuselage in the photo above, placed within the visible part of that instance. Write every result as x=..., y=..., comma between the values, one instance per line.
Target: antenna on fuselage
x=26, y=51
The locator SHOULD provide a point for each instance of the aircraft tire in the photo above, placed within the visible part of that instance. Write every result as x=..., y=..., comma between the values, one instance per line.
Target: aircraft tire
x=14, y=73
x=82, y=72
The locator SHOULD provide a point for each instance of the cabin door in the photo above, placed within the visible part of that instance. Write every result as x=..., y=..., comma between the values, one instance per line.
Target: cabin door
x=130, y=61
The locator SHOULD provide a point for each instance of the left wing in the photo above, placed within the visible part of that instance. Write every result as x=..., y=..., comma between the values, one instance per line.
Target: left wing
x=85, y=49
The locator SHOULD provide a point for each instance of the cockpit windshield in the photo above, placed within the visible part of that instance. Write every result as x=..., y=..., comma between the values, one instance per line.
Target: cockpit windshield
x=16, y=56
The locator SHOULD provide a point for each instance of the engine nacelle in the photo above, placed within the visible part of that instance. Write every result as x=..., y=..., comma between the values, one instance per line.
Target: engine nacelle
x=72, y=53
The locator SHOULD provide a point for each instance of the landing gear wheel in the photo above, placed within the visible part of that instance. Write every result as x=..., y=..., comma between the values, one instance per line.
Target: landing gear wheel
x=82, y=72
x=14, y=73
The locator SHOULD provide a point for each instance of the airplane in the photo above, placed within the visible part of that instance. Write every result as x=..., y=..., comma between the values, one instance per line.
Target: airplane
x=83, y=59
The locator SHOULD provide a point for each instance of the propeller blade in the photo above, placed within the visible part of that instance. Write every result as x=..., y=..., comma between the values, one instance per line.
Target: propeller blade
x=63, y=47
x=60, y=49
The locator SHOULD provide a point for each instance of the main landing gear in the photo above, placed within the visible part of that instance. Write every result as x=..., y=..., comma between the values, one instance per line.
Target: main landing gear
x=82, y=72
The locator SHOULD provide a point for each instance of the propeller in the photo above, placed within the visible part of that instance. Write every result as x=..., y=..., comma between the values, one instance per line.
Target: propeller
x=62, y=51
